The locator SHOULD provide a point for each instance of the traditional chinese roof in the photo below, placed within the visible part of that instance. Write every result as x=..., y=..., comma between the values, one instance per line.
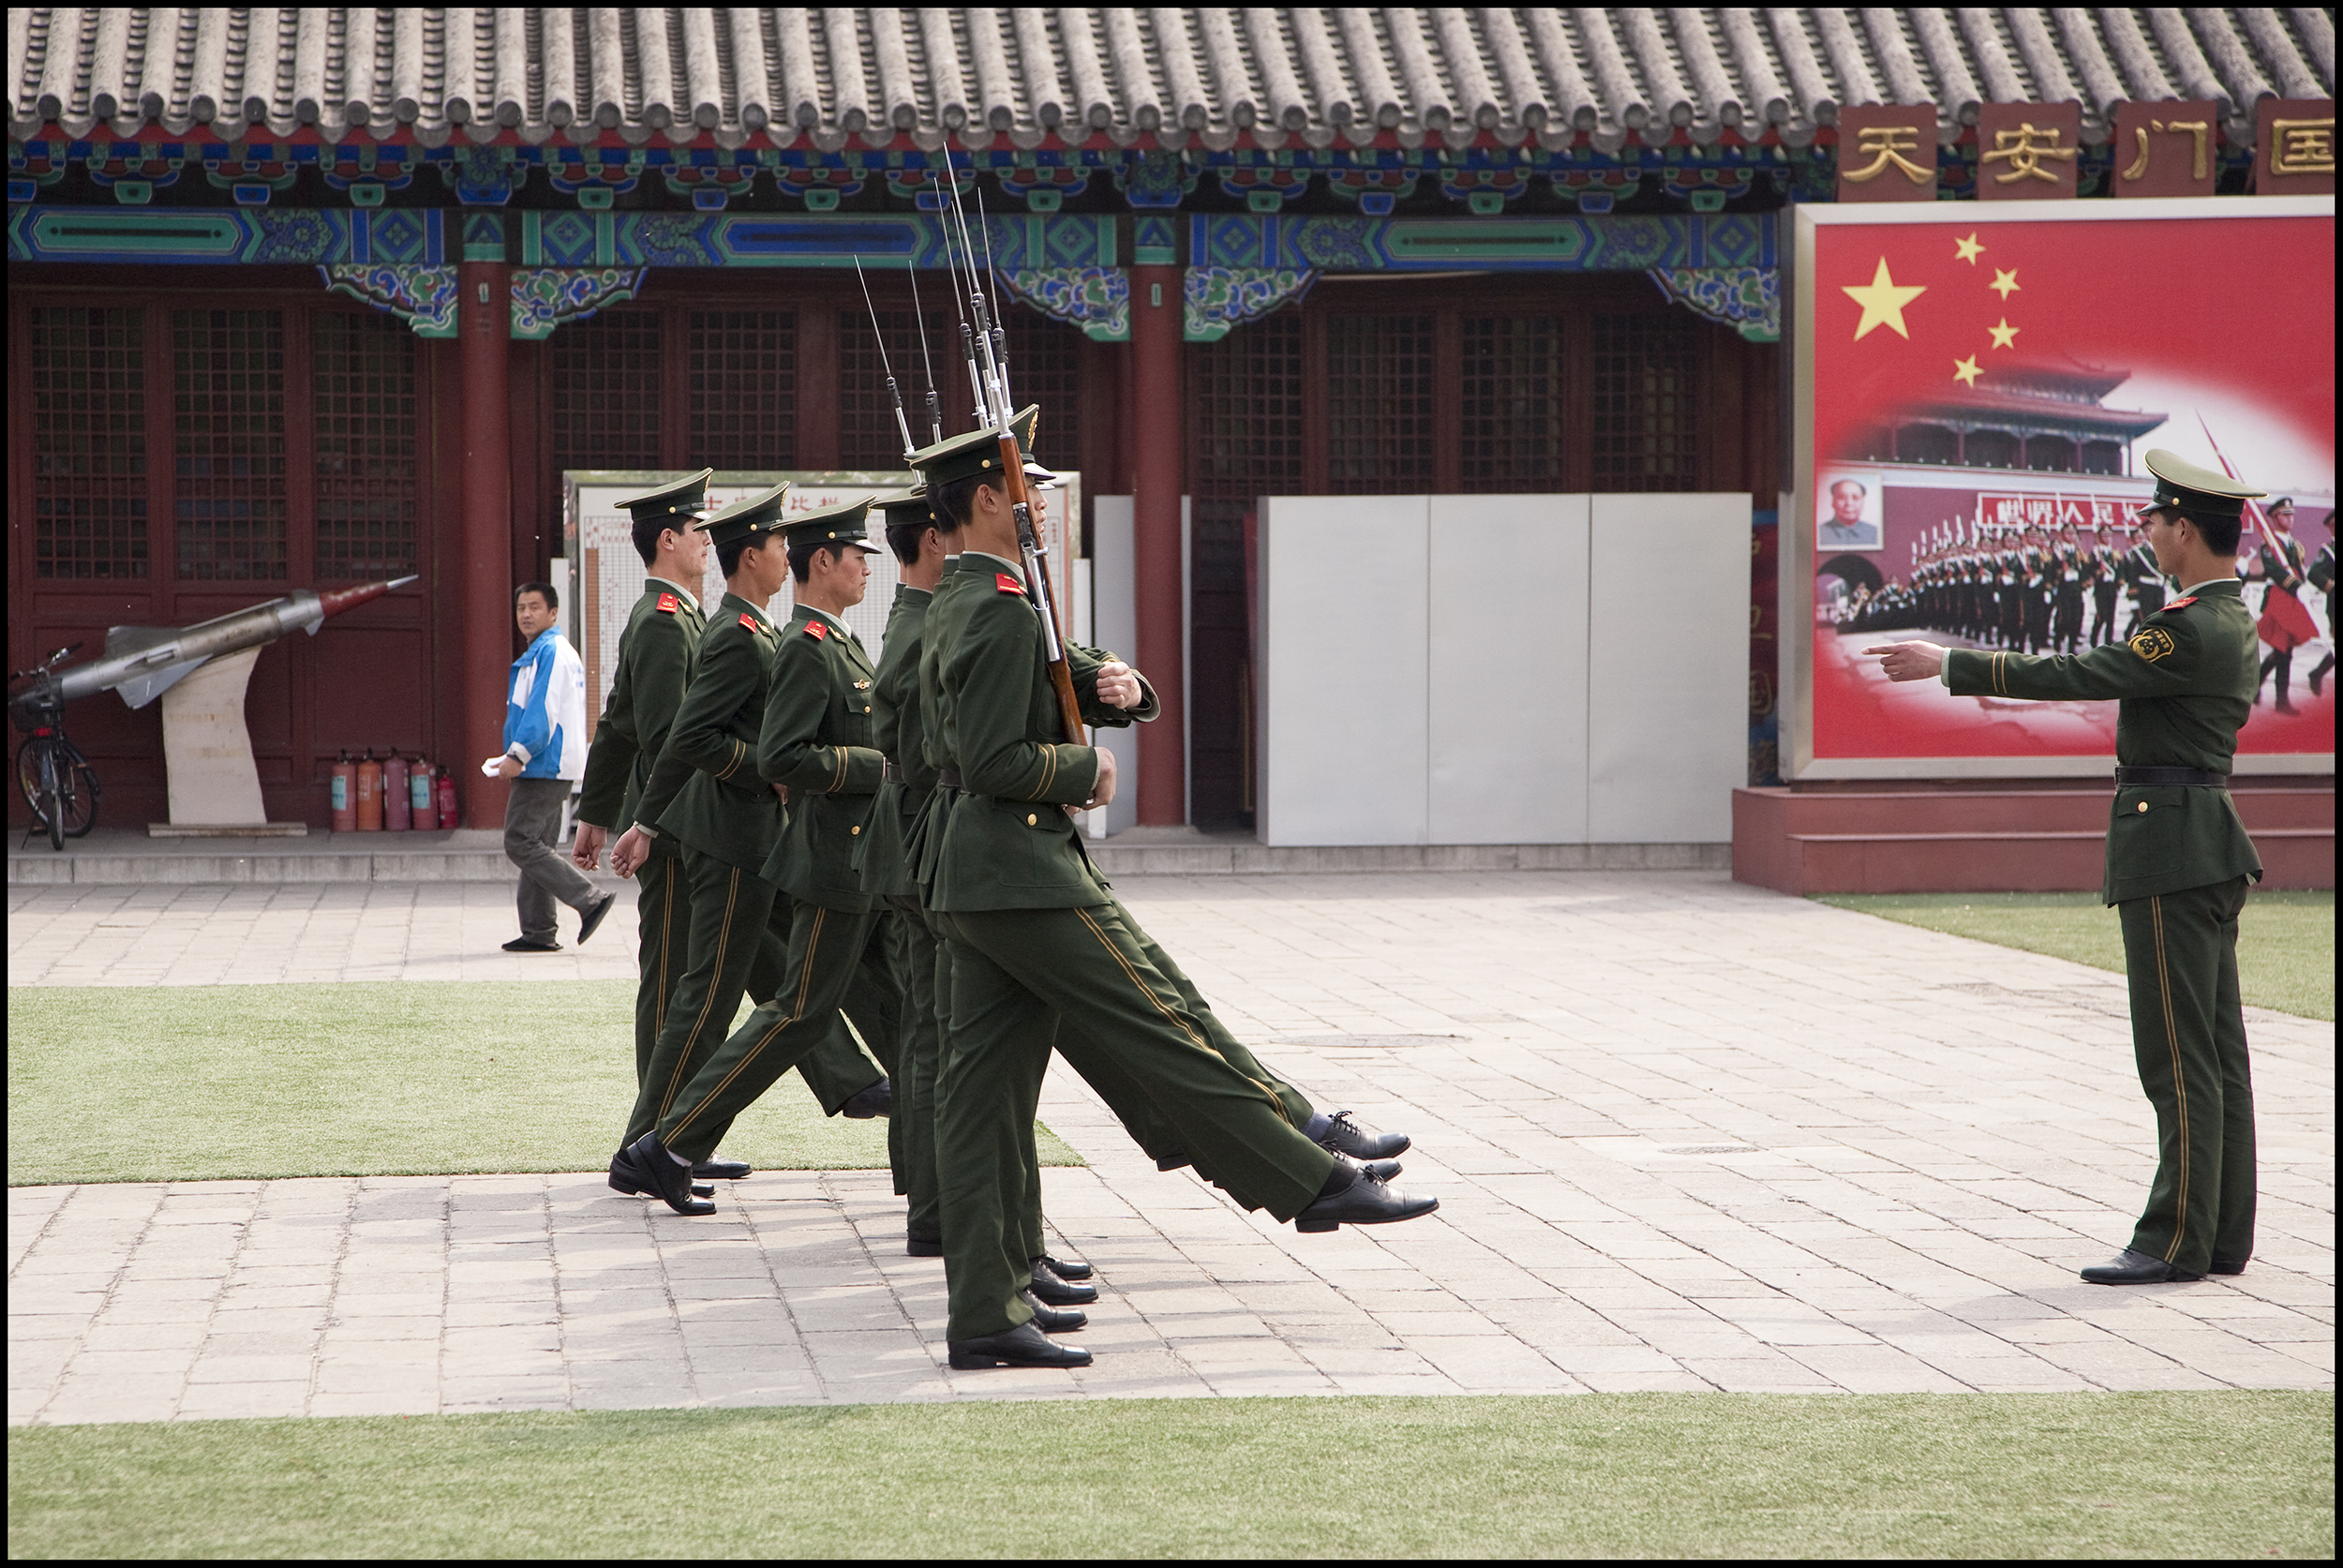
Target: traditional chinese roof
x=2037, y=396
x=1161, y=75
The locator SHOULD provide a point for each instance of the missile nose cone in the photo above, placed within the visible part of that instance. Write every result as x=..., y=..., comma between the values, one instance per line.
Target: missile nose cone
x=402, y=582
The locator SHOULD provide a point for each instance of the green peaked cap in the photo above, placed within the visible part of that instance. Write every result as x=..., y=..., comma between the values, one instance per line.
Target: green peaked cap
x=751, y=515
x=683, y=497
x=2186, y=488
x=904, y=506
x=976, y=454
x=831, y=525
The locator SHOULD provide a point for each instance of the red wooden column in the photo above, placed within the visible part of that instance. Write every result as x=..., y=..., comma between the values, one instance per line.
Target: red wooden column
x=1158, y=418
x=481, y=574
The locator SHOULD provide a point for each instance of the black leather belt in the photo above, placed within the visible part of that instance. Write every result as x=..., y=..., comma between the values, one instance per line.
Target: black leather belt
x=949, y=779
x=2171, y=778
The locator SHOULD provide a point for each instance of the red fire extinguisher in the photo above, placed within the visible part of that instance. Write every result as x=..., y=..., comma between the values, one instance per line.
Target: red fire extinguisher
x=369, y=793
x=423, y=801
x=345, y=796
x=447, y=799
x=398, y=805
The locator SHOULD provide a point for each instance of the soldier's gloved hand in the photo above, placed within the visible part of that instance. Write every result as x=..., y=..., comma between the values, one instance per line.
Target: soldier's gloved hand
x=1910, y=661
x=1118, y=685
x=585, y=854
x=628, y=855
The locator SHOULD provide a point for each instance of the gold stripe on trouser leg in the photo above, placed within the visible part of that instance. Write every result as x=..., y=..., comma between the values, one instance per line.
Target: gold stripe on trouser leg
x=724, y=945
x=805, y=984
x=2180, y=1079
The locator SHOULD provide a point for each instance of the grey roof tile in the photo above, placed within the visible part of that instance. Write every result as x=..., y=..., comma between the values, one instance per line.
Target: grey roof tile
x=1213, y=73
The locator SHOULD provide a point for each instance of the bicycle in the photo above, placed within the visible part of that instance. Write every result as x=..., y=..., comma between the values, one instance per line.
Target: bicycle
x=53, y=775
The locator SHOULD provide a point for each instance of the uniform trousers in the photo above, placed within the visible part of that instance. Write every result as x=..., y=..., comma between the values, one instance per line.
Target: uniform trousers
x=738, y=928
x=2103, y=613
x=1015, y=974
x=663, y=946
x=827, y=949
x=912, y=948
x=2188, y=1034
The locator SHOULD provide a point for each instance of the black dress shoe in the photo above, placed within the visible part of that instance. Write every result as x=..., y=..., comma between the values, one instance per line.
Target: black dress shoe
x=626, y=1177
x=1023, y=1346
x=1068, y=1271
x=671, y=1181
x=923, y=1247
x=2136, y=1268
x=1381, y=1169
x=1176, y=1160
x=1051, y=1286
x=876, y=1100
x=524, y=945
x=1364, y=1201
x=2222, y=1265
x=593, y=921
x=721, y=1170
x=1347, y=1137
x=1052, y=1320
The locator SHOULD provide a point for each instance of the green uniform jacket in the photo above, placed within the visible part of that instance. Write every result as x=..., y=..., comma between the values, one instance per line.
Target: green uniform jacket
x=899, y=730
x=705, y=789
x=2186, y=681
x=655, y=651
x=815, y=739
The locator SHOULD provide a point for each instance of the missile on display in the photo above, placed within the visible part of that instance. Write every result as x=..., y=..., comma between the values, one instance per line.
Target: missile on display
x=144, y=662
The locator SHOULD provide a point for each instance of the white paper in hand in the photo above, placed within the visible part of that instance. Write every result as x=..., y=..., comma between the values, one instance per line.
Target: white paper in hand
x=488, y=768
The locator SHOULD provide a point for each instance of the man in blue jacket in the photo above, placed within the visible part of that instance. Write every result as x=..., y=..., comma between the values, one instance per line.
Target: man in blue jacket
x=545, y=754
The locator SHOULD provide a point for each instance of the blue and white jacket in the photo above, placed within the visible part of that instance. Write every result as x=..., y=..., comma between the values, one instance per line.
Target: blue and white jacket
x=545, y=717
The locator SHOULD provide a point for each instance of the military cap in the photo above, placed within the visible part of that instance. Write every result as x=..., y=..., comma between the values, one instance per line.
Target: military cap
x=904, y=506
x=748, y=516
x=832, y=524
x=2199, y=492
x=684, y=497
x=976, y=454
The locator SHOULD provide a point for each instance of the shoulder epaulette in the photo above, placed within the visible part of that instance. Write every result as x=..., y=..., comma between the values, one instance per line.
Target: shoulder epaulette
x=748, y=621
x=2180, y=604
x=817, y=630
x=1008, y=584
x=670, y=604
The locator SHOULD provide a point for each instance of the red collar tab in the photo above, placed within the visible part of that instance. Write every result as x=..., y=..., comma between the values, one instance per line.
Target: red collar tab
x=817, y=630
x=749, y=620
x=2182, y=603
x=670, y=604
x=1008, y=584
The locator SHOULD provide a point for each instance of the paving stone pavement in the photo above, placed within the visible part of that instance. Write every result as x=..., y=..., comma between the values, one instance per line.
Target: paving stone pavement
x=1686, y=1135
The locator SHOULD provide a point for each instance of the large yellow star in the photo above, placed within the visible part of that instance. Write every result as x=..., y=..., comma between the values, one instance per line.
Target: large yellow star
x=1882, y=299
x=1965, y=371
x=2004, y=283
x=2004, y=335
x=1967, y=250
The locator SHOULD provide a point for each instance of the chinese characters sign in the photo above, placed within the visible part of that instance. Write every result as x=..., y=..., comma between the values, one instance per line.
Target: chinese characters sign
x=1888, y=153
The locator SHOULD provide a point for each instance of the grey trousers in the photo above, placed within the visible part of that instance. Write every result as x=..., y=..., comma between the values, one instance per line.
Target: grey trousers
x=533, y=826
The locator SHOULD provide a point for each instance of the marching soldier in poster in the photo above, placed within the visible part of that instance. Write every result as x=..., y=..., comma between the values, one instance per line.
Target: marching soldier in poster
x=2278, y=566
x=2106, y=570
x=2068, y=566
x=2321, y=576
x=2179, y=862
x=2143, y=577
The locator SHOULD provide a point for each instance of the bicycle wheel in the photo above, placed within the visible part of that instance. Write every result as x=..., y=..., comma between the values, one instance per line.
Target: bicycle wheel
x=28, y=771
x=51, y=808
x=77, y=794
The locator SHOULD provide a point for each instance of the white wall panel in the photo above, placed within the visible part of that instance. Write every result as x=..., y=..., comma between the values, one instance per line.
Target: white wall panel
x=1114, y=625
x=1344, y=671
x=1666, y=669
x=1507, y=726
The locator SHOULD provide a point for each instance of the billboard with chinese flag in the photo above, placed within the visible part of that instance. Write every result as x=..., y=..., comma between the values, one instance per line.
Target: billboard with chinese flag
x=1976, y=385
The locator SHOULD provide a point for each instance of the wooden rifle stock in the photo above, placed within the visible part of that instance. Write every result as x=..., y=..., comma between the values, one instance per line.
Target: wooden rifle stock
x=1060, y=673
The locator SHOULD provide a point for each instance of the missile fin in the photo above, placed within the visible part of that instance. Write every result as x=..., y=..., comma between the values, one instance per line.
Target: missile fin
x=133, y=640
x=141, y=689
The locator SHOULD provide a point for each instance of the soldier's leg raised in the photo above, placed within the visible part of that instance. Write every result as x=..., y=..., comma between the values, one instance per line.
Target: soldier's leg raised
x=2172, y=956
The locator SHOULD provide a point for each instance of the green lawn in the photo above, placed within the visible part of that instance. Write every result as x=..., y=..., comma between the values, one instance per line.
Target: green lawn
x=2229, y=1474
x=2285, y=940
x=153, y=1083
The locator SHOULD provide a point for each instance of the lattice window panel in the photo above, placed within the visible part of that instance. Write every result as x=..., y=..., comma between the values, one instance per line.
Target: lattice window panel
x=1646, y=402
x=228, y=369
x=743, y=410
x=363, y=388
x=1380, y=386
x=1044, y=367
x=1513, y=403
x=1247, y=402
x=867, y=436
x=89, y=443
x=606, y=392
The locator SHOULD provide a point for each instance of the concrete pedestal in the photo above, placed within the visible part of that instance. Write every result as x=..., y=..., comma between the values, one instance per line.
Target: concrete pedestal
x=207, y=753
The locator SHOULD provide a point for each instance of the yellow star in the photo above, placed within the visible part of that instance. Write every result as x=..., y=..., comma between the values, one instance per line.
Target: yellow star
x=1964, y=370
x=1883, y=301
x=2004, y=283
x=1967, y=250
x=2004, y=335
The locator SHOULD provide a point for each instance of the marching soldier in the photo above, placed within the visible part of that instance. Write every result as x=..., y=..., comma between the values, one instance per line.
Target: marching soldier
x=2066, y=570
x=2145, y=579
x=2106, y=581
x=705, y=792
x=1034, y=936
x=2178, y=861
x=2321, y=576
x=654, y=661
x=2279, y=563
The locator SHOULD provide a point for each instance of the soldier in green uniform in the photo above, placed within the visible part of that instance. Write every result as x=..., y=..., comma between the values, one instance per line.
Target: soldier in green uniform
x=646, y=687
x=813, y=739
x=705, y=792
x=2178, y=861
x=1034, y=938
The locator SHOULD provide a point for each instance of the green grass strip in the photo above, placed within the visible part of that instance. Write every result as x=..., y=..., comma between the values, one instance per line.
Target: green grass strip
x=2227, y=1474
x=144, y=1083
x=2285, y=940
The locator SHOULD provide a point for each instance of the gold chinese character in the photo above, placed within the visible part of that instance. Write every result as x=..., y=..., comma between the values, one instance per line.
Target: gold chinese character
x=1886, y=144
x=2024, y=149
x=2199, y=130
x=2302, y=147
